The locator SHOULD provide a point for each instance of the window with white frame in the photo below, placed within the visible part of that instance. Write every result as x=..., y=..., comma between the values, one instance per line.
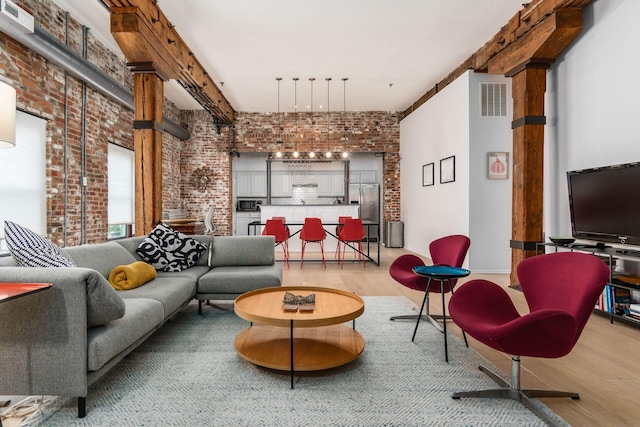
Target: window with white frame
x=23, y=198
x=121, y=191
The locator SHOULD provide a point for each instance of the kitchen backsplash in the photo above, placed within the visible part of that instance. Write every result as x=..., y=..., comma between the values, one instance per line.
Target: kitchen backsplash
x=307, y=193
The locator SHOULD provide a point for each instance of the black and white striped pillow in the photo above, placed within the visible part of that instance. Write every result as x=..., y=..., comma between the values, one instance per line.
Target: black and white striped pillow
x=31, y=250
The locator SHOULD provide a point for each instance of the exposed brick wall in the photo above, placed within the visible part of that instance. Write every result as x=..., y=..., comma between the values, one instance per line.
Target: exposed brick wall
x=207, y=148
x=40, y=88
x=377, y=132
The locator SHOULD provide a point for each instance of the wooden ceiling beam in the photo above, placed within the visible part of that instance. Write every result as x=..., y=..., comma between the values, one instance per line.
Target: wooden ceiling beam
x=545, y=41
x=532, y=15
x=145, y=35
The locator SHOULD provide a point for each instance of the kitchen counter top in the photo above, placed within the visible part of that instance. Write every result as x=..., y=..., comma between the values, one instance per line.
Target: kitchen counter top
x=315, y=204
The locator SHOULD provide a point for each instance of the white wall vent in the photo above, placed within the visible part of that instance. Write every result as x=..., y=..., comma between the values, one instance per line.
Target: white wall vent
x=493, y=99
x=16, y=16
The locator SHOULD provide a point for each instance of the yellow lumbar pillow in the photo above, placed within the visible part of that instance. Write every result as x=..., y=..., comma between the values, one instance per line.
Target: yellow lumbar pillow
x=131, y=276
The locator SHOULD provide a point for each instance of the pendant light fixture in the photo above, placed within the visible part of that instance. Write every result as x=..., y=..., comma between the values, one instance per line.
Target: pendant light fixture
x=311, y=153
x=295, y=110
x=345, y=154
x=328, y=153
x=279, y=139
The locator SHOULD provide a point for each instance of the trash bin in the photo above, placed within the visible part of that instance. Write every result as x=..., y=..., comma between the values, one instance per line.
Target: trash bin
x=395, y=234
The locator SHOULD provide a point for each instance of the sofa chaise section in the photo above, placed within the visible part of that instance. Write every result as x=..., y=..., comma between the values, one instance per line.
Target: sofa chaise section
x=239, y=264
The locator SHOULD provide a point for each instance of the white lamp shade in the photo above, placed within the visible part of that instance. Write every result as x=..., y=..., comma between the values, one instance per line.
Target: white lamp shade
x=7, y=115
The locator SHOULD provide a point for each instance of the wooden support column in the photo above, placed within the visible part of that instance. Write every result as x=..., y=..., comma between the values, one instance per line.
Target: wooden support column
x=526, y=61
x=147, y=133
x=528, y=89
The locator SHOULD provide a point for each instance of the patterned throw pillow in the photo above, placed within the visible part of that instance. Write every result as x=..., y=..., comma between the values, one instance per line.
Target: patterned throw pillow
x=169, y=250
x=31, y=250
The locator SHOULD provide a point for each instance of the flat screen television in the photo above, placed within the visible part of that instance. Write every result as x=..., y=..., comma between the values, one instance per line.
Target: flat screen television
x=605, y=203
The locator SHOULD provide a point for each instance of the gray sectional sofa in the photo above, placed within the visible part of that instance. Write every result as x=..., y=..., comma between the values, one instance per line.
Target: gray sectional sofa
x=60, y=341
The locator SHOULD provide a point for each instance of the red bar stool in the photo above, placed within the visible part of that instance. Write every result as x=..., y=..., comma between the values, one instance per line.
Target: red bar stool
x=351, y=232
x=312, y=231
x=284, y=221
x=275, y=227
x=341, y=221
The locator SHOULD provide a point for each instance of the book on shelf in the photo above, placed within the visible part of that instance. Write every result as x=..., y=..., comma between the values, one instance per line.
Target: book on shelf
x=622, y=295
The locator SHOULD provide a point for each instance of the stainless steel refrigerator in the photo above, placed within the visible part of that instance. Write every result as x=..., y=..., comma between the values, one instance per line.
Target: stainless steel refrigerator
x=370, y=207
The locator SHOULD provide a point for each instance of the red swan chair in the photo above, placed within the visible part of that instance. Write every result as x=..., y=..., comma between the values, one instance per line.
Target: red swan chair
x=450, y=251
x=561, y=290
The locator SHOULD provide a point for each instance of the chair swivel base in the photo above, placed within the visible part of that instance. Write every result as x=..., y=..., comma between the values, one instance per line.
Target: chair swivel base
x=430, y=317
x=523, y=396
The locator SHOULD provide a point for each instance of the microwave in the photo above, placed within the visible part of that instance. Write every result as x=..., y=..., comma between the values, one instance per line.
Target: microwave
x=249, y=205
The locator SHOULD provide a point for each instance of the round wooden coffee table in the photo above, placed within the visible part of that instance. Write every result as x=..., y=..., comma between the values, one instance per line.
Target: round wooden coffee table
x=300, y=340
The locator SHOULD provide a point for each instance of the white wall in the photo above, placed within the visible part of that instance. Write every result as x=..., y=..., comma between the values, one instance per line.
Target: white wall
x=438, y=129
x=450, y=124
x=592, y=107
x=490, y=199
x=593, y=103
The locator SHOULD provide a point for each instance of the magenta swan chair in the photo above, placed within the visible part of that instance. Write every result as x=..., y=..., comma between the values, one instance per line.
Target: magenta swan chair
x=450, y=251
x=561, y=290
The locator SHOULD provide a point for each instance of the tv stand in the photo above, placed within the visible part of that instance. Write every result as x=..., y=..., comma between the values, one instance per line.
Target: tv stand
x=598, y=245
x=618, y=294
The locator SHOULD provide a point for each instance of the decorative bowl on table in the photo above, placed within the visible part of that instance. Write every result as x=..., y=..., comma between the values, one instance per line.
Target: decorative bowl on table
x=562, y=240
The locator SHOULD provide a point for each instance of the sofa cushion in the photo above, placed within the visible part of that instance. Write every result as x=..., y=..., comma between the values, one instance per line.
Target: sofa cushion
x=242, y=250
x=193, y=273
x=32, y=250
x=107, y=341
x=103, y=302
x=102, y=257
x=238, y=280
x=169, y=250
x=172, y=292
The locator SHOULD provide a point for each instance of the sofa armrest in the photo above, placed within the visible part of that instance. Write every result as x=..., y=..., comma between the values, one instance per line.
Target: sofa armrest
x=44, y=335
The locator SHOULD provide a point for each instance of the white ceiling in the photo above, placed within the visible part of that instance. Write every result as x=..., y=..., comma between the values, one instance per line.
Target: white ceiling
x=391, y=51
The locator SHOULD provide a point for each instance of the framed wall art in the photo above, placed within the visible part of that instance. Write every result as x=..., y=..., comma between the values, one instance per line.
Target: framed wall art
x=448, y=170
x=427, y=174
x=498, y=165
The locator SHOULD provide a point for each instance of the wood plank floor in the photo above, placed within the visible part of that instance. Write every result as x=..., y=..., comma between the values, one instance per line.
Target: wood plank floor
x=601, y=367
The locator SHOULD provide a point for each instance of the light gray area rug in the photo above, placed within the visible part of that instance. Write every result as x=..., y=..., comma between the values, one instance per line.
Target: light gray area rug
x=188, y=374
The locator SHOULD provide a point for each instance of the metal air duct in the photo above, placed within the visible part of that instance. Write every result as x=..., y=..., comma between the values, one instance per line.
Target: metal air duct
x=55, y=51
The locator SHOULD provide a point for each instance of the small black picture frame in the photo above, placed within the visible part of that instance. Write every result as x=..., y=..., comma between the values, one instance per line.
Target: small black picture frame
x=448, y=169
x=427, y=174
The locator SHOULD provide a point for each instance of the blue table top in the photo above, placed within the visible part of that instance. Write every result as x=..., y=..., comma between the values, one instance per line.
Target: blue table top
x=441, y=271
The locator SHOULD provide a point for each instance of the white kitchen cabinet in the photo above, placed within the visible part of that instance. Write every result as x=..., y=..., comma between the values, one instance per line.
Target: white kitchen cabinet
x=243, y=184
x=243, y=219
x=251, y=184
x=305, y=177
x=330, y=184
x=337, y=183
x=324, y=184
x=298, y=177
x=362, y=177
x=368, y=177
x=258, y=184
x=281, y=184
